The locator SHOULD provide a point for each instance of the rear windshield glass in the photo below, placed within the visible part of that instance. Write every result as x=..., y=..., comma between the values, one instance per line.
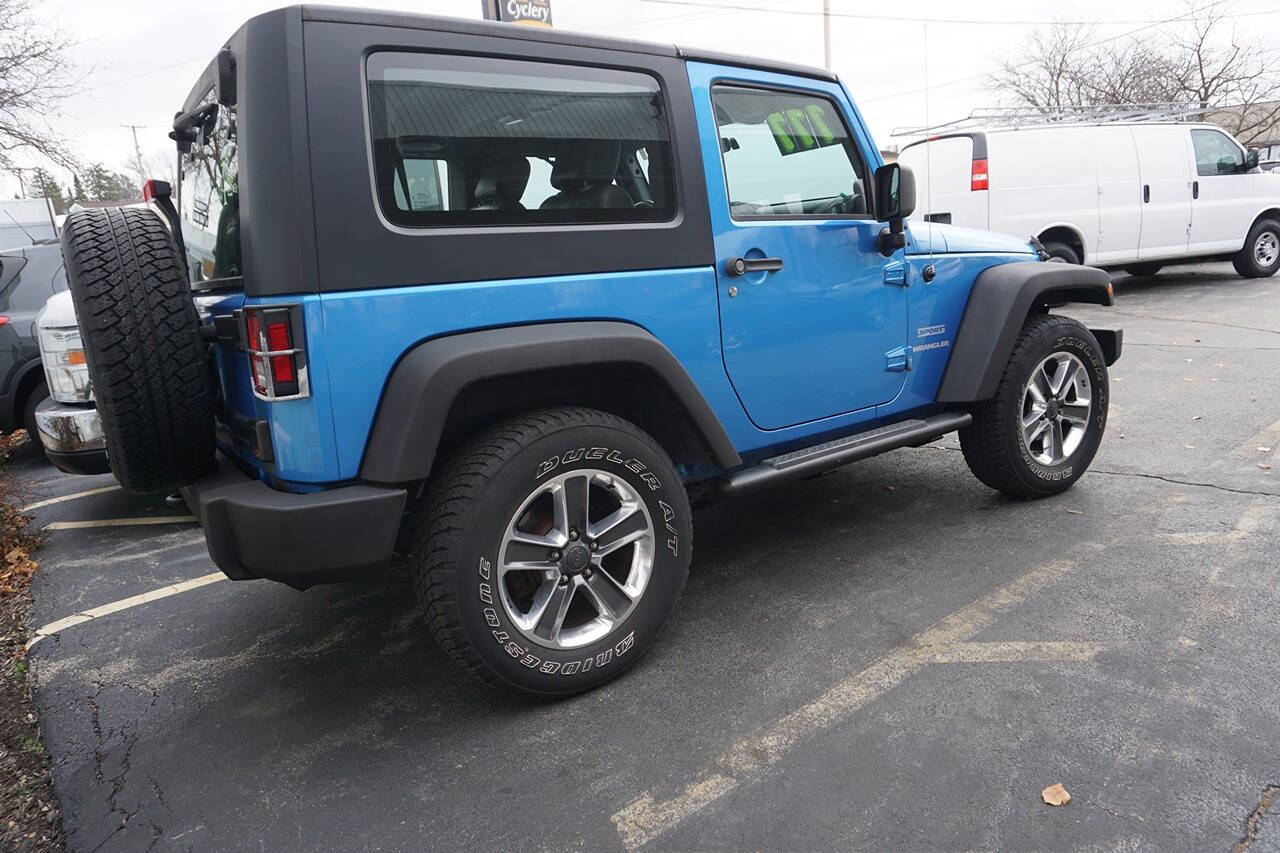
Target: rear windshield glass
x=465, y=141
x=209, y=197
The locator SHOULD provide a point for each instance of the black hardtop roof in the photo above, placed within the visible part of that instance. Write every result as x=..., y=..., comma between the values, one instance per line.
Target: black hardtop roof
x=468, y=26
x=410, y=20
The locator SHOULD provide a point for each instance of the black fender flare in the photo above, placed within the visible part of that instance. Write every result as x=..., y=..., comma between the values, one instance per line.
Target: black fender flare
x=1002, y=298
x=429, y=377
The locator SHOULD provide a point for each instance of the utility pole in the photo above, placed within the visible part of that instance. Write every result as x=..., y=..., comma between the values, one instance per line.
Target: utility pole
x=826, y=31
x=22, y=184
x=137, y=152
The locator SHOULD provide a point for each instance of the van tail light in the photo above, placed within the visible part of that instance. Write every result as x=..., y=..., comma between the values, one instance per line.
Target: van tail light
x=978, y=177
x=276, y=346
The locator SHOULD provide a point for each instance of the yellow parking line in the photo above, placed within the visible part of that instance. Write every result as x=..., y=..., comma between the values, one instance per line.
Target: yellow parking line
x=123, y=604
x=646, y=818
x=85, y=494
x=119, y=522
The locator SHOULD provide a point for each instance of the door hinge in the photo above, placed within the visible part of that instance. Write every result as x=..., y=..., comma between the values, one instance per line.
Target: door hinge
x=898, y=360
x=895, y=273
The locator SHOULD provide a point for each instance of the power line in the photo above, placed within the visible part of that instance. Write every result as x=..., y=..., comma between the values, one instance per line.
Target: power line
x=983, y=76
x=986, y=22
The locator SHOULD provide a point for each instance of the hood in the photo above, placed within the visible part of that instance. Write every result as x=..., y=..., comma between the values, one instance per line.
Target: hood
x=952, y=238
x=58, y=312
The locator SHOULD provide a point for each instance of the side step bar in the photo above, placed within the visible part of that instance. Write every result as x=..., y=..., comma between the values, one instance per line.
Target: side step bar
x=814, y=460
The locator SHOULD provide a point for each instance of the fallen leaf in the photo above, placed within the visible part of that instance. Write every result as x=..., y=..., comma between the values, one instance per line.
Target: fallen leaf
x=1196, y=418
x=890, y=488
x=1197, y=340
x=1264, y=449
x=1188, y=361
x=1075, y=512
x=1055, y=795
x=1264, y=467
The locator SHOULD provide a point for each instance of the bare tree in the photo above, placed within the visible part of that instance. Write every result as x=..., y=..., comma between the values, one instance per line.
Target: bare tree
x=1199, y=60
x=35, y=75
x=1219, y=68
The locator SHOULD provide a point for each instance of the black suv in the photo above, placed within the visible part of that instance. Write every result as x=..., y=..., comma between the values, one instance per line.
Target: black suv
x=28, y=277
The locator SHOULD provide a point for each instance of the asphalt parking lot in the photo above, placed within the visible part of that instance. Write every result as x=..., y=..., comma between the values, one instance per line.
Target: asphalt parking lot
x=887, y=657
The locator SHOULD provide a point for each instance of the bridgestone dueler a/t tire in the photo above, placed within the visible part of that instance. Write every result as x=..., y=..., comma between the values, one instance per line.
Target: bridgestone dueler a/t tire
x=464, y=516
x=993, y=445
x=151, y=380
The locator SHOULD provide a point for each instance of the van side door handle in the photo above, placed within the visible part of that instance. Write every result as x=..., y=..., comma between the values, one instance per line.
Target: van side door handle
x=742, y=266
x=1195, y=189
x=1146, y=193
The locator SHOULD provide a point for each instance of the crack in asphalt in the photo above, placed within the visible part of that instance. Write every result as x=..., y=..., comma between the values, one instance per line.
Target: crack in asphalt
x=1203, y=346
x=1254, y=819
x=1199, y=322
x=1171, y=480
x=1177, y=482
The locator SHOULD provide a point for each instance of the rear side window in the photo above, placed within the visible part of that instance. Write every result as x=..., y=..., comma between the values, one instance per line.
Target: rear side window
x=466, y=141
x=1216, y=154
x=209, y=196
x=787, y=154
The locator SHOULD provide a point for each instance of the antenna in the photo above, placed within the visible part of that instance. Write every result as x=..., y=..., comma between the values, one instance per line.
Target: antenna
x=929, y=272
x=19, y=224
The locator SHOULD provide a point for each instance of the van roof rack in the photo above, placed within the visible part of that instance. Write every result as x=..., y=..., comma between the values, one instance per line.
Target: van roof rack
x=1017, y=117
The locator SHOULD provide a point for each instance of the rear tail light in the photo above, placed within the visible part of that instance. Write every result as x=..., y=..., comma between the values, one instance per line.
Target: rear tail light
x=275, y=343
x=978, y=177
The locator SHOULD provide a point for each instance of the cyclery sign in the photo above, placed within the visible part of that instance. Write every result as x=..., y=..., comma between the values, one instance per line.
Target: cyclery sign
x=531, y=13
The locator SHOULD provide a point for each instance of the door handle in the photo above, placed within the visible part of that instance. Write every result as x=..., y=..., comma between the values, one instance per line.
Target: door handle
x=1195, y=189
x=1146, y=193
x=742, y=266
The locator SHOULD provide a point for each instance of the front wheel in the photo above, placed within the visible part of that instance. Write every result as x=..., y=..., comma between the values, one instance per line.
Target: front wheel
x=551, y=551
x=1039, y=433
x=1260, y=257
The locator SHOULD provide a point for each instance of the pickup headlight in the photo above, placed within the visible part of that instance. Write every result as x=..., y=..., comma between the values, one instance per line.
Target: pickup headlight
x=62, y=353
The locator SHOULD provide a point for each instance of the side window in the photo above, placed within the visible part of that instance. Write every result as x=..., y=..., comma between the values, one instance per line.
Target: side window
x=1216, y=154
x=469, y=141
x=209, y=196
x=787, y=154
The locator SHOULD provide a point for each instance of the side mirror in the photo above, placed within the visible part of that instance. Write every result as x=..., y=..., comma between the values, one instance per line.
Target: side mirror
x=1251, y=160
x=895, y=200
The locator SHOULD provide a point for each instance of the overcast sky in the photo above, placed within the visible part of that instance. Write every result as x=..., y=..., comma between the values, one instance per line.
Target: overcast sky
x=142, y=56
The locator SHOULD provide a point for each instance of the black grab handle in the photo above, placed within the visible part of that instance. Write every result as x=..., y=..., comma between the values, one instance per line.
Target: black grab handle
x=742, y=266
x=1146, y=193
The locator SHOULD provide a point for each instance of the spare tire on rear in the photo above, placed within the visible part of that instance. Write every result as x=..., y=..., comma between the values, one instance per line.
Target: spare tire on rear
x=151, y=379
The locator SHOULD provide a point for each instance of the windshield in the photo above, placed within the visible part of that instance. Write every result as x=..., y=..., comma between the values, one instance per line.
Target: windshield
x=209, y=198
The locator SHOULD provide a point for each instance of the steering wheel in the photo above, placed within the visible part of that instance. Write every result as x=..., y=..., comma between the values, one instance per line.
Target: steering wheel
x=839, y=204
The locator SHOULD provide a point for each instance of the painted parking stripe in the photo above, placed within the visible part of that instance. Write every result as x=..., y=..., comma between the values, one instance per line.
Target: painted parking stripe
x=123, y=604
x=646, y=817
x=119, y=522
x=71, y=497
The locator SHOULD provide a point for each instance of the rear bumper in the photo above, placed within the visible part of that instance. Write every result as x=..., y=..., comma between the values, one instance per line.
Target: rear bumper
x=72, y=437
x=254, y=531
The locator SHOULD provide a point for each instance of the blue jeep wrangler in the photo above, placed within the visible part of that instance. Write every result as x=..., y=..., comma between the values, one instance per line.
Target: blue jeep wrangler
x=507, y=301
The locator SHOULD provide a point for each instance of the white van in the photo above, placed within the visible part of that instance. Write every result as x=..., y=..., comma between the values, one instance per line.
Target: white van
x=1136, y=195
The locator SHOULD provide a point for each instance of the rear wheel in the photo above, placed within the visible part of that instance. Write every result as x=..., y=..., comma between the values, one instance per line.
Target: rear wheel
x=151, y=380
x=1061, y=253
x=1039, y=433
x=551, y=551
x=1260, y=257
x=1143, y=270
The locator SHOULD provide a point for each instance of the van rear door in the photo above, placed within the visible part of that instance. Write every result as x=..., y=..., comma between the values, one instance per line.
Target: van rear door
x=951, y=179
x=1164, y=164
